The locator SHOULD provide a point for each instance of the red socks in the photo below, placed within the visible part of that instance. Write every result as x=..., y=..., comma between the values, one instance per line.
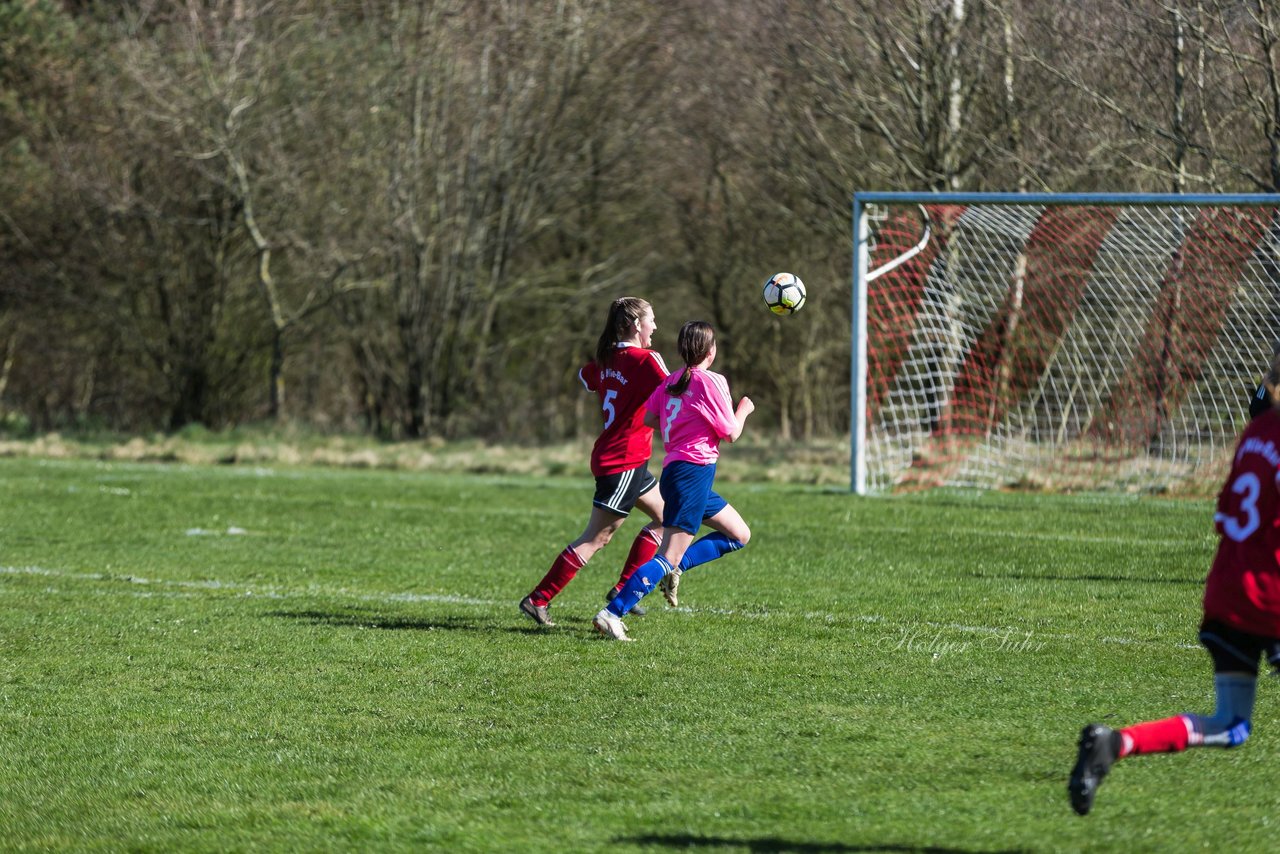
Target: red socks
x=562, y=571
x=1164, y=736
x=643, y=549
x=567, y=564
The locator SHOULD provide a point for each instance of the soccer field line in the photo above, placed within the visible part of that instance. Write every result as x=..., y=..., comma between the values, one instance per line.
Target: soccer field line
x=1040, y=536
x=914, y=632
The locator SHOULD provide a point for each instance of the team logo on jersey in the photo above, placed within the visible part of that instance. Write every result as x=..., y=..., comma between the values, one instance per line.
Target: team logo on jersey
x=1265, y=449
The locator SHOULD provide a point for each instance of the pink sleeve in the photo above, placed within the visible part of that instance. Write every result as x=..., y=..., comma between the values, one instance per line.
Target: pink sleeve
x=654, y=404
x=716, y=404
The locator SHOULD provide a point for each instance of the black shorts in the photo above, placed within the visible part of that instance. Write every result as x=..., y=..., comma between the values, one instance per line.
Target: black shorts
x=618, y=493
x=1234, y=651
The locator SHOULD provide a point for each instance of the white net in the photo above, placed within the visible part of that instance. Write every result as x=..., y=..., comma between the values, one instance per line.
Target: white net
x=1065, y=346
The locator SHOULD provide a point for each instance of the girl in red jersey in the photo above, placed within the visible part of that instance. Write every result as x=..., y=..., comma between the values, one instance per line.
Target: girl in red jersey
x=1241, y=612
x=623, y=374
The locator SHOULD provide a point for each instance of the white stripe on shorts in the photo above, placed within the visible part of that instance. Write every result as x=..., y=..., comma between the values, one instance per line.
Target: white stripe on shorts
x=624, y=483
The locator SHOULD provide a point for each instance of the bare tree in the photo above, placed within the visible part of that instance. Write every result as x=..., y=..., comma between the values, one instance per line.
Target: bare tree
x=1189, y=94
x=499, y=123
x=241, y=80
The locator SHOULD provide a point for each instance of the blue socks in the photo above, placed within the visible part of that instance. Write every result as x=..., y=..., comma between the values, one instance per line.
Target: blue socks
x=648, y=575
x=708, y=549
x=638, y=586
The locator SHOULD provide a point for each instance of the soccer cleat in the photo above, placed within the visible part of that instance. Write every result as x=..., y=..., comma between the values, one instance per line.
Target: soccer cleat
x=610, y=626
x=537, y=613
x=1099, y=748
x=670, y=587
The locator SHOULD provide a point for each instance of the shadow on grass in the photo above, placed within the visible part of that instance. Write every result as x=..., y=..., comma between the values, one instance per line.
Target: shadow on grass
x=771, y=844
x=354, y=619
x=347, y=620
x=1118, y=579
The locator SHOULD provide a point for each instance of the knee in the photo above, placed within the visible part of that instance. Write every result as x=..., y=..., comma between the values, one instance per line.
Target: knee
x=744, y=536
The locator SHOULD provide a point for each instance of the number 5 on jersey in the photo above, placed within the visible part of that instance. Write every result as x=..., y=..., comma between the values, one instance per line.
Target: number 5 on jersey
x=609, y=412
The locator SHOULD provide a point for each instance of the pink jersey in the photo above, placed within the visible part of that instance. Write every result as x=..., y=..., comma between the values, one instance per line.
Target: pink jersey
x=624, y=442
x=693, y=424
x=1243, y=588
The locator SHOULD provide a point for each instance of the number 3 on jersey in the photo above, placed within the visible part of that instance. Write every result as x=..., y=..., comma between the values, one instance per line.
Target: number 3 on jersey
x=1246, y=518
x=673, y=409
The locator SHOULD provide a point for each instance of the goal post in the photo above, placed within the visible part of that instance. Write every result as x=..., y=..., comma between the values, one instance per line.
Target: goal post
x=1078, y=341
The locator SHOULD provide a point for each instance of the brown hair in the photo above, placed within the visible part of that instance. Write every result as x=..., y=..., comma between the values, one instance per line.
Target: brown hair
x=695, y=342
x=624, y=315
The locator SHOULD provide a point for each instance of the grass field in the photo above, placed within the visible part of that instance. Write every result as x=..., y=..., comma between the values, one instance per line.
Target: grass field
x=217, y=658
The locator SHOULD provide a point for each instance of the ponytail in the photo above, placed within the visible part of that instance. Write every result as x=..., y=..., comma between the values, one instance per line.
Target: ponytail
x=678, y=387
x=695, y=342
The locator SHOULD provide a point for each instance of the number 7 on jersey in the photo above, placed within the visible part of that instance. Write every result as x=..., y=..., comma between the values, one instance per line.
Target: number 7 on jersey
x=673, y=409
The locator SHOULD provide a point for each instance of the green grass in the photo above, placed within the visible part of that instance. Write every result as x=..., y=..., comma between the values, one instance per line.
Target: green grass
x=229, y=658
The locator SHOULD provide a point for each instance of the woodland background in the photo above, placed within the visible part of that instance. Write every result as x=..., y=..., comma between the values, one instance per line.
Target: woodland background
x=407, y=219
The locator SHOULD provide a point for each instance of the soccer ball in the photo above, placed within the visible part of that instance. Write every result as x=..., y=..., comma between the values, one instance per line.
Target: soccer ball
x=784, y=293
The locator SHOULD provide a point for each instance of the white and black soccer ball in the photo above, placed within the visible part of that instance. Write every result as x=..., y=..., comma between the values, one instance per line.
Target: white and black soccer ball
x=784, y=293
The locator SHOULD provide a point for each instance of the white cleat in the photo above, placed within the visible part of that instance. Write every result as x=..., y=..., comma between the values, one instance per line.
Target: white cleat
x=670, y=586
x=610, y=626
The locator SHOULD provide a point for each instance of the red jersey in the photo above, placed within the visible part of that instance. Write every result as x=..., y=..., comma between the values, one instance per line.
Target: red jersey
x=1243, y=589
x=632, y=375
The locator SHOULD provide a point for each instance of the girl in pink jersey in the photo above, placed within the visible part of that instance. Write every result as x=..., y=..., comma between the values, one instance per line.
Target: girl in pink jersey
x=694, y=412
x=1241, y=612
x=623, y=374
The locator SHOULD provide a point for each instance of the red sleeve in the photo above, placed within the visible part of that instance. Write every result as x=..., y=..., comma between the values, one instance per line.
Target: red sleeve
x=655, y=370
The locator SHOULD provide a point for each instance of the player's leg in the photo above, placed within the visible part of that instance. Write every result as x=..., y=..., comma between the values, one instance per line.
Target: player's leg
x=730, y=534
x=608, y=621
x=1100, y=746
x=684, y=491
x=601, y=526
x=729, y=521
x=1235, y=663
x=1235, y=679
x=674, y=543
x=647, y=541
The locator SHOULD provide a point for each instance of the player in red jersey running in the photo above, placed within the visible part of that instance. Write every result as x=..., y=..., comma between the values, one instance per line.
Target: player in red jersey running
x=1241, y=612
x=623, y=374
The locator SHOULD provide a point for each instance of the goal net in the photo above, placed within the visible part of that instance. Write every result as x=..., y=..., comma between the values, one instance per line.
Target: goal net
x=1058, y=342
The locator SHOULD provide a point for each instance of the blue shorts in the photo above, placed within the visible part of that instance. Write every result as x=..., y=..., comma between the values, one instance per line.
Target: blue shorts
x=687, y=496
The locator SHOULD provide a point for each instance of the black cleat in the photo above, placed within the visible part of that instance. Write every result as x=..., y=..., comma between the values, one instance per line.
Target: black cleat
x=1099, y=748
x=537, y=613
